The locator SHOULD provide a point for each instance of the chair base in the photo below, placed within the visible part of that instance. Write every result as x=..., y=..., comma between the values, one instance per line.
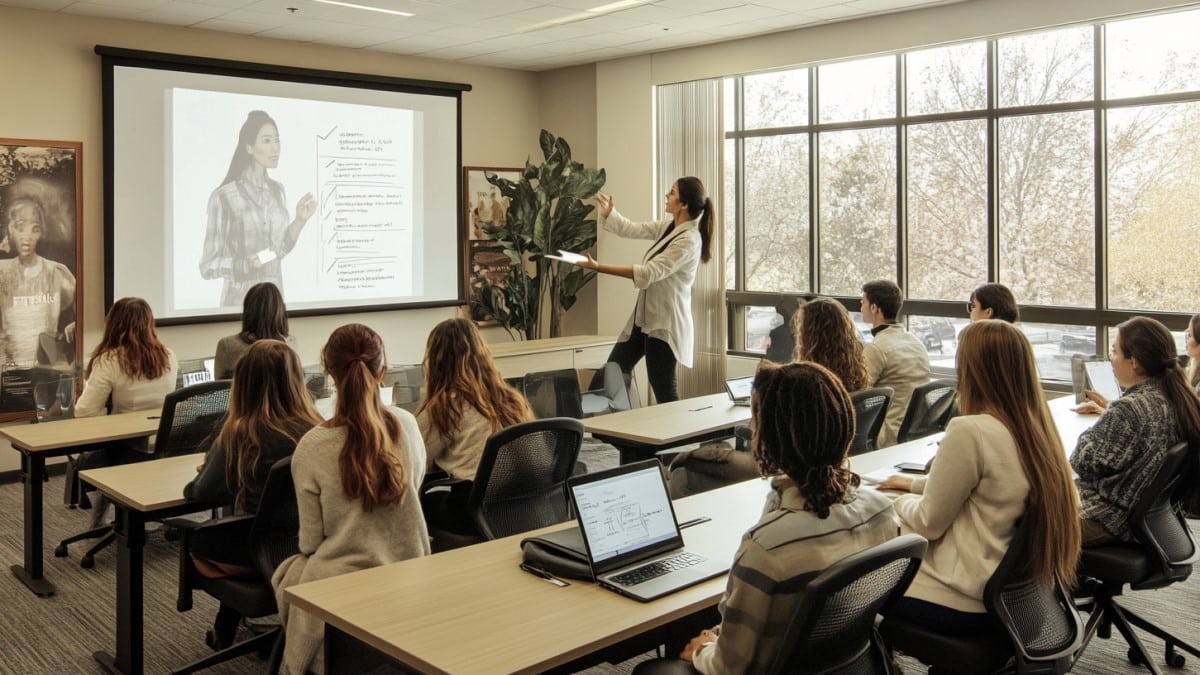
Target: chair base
x=106, y=534
x=1105, y=613
x=977, y=655
x=258, y=642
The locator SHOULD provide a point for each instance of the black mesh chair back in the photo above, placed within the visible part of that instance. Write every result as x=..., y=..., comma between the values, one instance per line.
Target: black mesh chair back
x=1159, y=524
x=522, y=477
x=190, y=416
x=608, y=392
x=275, y=534
x=553, y=393
x=1040, y=619
x=870, y=409
x=929, y=410
x=833, y=629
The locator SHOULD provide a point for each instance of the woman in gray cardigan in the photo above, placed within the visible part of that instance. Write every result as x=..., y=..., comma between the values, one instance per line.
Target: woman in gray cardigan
x=356, y=479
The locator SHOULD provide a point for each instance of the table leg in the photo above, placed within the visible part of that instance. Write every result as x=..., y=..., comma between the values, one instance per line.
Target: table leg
x=33, y=473
x=131, y=541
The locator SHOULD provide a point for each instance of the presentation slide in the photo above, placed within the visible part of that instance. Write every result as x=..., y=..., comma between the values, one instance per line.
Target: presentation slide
x=340, y=196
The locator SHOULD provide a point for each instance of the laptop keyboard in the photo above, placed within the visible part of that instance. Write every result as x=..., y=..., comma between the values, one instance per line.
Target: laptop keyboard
x=657, y=568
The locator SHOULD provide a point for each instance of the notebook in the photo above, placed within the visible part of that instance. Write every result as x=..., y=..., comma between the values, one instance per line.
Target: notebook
x=630, y=534
x=739, y=389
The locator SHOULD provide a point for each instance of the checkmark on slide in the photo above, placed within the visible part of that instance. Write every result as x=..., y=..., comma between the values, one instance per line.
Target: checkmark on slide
x=326, y=136
x=331, y=163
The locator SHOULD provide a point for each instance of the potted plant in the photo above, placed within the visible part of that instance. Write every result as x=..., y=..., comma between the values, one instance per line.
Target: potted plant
x=546, y=213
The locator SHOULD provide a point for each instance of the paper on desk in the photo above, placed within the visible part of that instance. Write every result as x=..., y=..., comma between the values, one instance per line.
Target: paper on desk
x=567, y=257
x=923, y=454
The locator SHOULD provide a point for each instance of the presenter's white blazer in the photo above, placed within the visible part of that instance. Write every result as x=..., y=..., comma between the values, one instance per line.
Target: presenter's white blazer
x=664, y=281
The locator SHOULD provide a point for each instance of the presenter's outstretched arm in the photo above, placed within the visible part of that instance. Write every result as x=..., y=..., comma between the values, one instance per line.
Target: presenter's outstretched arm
x=305, y=208
x=624, y=271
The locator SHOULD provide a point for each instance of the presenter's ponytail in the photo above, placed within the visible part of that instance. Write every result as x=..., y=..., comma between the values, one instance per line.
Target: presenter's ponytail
x=692, y=193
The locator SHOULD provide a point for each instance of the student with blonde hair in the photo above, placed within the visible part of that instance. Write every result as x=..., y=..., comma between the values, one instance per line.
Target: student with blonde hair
x=826, y=334
x=466, y=400
x=1001, y=460
x=356, y=478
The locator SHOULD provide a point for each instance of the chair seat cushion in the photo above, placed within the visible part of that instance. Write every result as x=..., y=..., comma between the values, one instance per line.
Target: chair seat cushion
x=964, y=655
x=250, y=597
x=1123, y=563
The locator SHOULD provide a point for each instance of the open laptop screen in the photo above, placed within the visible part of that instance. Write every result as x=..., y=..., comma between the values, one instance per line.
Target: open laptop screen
x=739, y=388
x=625, y=513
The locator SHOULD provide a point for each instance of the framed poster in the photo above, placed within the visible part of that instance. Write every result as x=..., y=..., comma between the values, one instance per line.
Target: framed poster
x=41, y=238
x=484, y=260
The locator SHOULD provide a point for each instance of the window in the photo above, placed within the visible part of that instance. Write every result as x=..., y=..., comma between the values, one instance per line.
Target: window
x=858, y=208
x=864, y=89
x=775, y=199
x=1041, y=68
x=947, y=79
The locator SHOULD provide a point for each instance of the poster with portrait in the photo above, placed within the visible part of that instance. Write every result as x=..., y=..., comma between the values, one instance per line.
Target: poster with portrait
x=485, y=263
x=41, y=186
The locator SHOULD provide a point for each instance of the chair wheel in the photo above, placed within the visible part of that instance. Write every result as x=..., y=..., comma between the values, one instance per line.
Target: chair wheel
x=60, y=551
x=1175, y=660
x=1134, y=657
x=87, y=562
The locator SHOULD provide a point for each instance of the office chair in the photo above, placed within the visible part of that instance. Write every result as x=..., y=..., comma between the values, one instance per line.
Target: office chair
x=520, y=484
x=553, y=393
x=1163, y=554
x=833, y=628
x=189, y=417
x=612, y=393
x=870, y=409
x=271, y=535
x=1038, y=628
x=929, y=410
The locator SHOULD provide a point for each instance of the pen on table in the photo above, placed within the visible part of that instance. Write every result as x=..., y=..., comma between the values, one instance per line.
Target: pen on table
x=694, y=521
x=543, y=574
x=699, y=409
x=152, y=417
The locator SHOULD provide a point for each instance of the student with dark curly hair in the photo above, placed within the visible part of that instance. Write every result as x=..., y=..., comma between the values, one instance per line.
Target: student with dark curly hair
x=825, y=334
x=815, y=515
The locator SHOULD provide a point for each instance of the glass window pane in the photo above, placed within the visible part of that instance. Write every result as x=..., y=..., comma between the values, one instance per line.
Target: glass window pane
x=940, y=337
x=1053, y=345
x=759, y=322
x=1050, y=67
x=858, y=208
x=947, y=209
x=776, y=99
x=1154, y=198
x=863, y=89
x=1153, y=55
x=728, y=102
x=776, y=203
x=1047, y=208
x=729, y=222
x=947, y=79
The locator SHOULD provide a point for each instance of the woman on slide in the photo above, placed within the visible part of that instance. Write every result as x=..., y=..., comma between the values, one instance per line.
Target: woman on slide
x=660, y=328
x=248, y=228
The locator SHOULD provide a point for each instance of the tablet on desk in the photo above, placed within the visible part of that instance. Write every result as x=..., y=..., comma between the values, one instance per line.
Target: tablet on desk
x=1101, y=379
x=740, y=389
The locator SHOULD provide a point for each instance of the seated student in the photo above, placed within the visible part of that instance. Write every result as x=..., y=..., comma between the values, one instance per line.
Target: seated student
x=136, y=370
x=466, y=401
x=269, y=410
x=1001, y=460
x=1193, y=352
x=356, y=479
x=826, y=335
x=895, y=358
x=993, y=301
x=814, y=515
x=1120, y=455
x=264, y=317
x=781, y=341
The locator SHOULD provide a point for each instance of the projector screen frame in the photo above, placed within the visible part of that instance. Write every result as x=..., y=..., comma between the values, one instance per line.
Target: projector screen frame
x=112, y=57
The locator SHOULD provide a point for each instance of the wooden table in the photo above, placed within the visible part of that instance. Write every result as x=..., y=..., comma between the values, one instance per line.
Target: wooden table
x=641, y=432
x=140, y=492
x=471, y=610
x=36, y=442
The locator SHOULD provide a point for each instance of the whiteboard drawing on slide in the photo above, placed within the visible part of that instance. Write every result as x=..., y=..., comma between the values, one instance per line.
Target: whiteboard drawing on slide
x=249, y=231
x=316, y=198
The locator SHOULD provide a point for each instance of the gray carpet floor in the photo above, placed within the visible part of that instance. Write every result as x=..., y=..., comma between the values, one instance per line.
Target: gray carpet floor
x=58, y=634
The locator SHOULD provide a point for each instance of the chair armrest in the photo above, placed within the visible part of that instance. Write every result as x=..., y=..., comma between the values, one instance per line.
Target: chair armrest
x=235, y=525
x=448, y=483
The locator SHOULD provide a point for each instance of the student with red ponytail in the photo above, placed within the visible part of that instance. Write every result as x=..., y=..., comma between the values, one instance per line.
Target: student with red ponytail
x=356, y=481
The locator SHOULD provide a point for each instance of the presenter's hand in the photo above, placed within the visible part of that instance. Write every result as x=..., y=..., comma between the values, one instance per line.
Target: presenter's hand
x=605, y=203
x=705, y=637
x=589, y=264
x=306, y=207
x=896, y=483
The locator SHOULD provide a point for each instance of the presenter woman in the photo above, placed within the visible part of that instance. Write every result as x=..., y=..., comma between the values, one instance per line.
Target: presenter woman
x=661, y=325
x=248, y=228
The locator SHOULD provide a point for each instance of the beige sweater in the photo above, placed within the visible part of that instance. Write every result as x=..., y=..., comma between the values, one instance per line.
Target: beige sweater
x=128, y=394
x=458, y=456
x=967, y=508
x=337, y=536
x=896, y=359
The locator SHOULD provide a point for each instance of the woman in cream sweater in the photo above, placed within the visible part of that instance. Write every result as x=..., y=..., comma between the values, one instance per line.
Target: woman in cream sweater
x=1001, y=460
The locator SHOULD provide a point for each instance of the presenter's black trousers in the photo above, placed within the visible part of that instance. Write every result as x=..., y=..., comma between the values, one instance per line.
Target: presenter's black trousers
x=660, y=362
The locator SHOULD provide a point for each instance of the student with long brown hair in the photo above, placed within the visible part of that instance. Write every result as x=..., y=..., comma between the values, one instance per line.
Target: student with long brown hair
x=466, y=401
x=826, y=334
x=356, y=478
x=133, y=367
x=1001, y=460
x=1120, y=455
x=264, y=317
x=1192, y=340
x=269, y=410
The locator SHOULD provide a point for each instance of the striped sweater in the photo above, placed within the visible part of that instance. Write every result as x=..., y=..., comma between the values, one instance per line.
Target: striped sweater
x=788, y=541
x=1118, y=457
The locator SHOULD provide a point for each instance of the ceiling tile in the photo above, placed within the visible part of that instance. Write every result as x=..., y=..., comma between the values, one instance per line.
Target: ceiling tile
x=226, y=26
x=105, y=11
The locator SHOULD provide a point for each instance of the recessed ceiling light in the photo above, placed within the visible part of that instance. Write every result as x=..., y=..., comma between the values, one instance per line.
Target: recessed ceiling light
x=351, y=5
x=592, y=13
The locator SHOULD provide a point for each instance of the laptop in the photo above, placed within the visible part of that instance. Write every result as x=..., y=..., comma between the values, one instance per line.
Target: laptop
x=630, y=534
x=739, y=389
